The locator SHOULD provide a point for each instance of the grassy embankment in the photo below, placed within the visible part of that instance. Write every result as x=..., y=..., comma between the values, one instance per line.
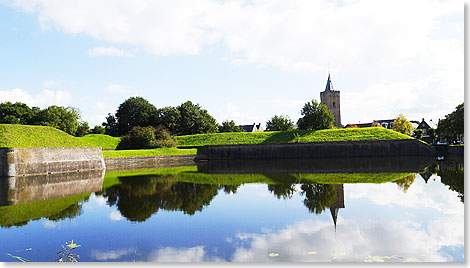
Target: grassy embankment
x=36, y=136
x=42, y=136
x=101, y=140
x=302, y=136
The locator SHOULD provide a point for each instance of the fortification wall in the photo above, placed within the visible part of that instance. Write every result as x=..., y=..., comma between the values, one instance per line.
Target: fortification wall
x=49, y=160
x=127, y=163
x=316, y=150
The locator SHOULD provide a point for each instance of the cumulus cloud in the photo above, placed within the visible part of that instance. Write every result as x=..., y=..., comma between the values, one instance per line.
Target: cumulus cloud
x=43, y=99
x=169, y=254
x=111, y=255
x=108, y=51
x=408, y=53
x=355, y=240
x=115, y=215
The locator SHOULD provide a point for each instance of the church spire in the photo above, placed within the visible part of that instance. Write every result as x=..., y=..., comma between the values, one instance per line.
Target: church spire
x=329, y=85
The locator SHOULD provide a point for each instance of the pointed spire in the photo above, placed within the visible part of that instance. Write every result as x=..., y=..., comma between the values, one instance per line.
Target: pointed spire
x=334, y=215
x=329, y=85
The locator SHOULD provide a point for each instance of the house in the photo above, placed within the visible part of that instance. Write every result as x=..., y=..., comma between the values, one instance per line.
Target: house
x=252, y=128
x=361, y=125
x=387, y=123
x=426, y=124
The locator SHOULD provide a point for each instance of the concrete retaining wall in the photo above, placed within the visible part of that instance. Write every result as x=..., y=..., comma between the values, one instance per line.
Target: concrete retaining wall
x=316, y=150
x=48, y=160
x=127, y=163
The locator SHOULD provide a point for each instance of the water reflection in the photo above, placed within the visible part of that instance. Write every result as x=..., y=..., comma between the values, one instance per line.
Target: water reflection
x=307, y=213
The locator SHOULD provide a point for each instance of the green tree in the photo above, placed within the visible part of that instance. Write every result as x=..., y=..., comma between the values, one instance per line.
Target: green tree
x=229, y=126
x=315, y=116
x=453, y=124
x=135, y=111
x=65, y=119
x=169, y=117
x=82, y=129
x=195, y=120
x=97, y=130
x=15, y=113
x=406, y=182
x=418, y=134
x=402, y=125
x=279, y=123
x=146, y=137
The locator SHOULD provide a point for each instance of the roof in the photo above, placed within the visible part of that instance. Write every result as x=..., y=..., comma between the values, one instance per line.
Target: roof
x=329, y=85
x=426, y=124
x=251, y=128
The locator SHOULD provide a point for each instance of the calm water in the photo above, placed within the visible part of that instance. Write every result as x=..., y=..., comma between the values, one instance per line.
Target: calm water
x=302, y=211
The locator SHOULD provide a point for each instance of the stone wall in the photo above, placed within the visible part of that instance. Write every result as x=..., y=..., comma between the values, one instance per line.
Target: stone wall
x=20, y=190
x=48, y=160
x=127, y=163
x=316, y=150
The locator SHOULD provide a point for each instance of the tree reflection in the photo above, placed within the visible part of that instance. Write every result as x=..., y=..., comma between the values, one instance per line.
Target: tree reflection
x=139, y=197
x=454, y=178
x=406, y=182
x=318, y=197
x=282, y=190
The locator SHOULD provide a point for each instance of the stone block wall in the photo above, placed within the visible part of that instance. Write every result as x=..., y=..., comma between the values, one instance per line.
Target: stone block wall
x=48, y=160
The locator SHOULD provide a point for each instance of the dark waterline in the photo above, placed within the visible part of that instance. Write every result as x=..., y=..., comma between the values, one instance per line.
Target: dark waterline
x=410, y=209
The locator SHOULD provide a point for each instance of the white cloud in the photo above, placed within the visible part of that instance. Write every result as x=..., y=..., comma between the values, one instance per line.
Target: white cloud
x=115, y=215
x=355, y=240
x=49, y=224
x=43, y=99
x=108, y=51
x=407, y=55
x=168, y=254
x=101, y=255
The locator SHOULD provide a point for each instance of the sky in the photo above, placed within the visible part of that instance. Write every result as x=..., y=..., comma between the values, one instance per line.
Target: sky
x=241, y=60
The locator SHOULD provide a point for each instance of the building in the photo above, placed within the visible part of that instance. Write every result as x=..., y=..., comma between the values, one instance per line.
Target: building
x=252, y=128
x=331, y=99
x=425, y=125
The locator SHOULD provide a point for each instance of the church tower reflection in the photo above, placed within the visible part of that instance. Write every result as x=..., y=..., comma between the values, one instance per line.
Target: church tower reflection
x=337, y=203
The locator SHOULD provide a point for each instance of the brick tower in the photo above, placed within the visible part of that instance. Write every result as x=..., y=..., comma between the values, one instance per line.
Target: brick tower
x=330, y=98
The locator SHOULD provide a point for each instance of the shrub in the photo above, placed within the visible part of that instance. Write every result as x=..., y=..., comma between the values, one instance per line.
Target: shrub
x=146, y=138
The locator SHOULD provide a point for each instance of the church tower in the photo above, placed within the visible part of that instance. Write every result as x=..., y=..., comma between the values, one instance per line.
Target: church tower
x=330, y=98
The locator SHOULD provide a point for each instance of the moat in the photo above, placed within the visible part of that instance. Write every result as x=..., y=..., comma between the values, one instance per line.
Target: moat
x=342, y=210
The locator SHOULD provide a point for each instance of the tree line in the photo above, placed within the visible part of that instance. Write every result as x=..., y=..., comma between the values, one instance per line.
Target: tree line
x=189, y=118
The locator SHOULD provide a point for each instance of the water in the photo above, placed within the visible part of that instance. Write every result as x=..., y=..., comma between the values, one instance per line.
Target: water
x=295, y=211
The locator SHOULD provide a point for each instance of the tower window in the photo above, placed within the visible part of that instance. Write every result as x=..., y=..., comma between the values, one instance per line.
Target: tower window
x=334, y=104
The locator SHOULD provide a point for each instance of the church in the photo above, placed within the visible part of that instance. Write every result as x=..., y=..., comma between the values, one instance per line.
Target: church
x=331, y=99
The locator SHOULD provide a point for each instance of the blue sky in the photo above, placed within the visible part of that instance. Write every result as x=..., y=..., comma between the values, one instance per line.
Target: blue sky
x=241, y=60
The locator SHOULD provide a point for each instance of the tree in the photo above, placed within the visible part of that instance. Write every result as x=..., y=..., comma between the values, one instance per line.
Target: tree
x=229, y=126
x=82, y=129
x=318, y=197
x=279, y=123
x=65, y=119
x=418, y=134
x=169, y=117
x=453, y=124
x=135, y=111
x=97, y=130
x=315, y=116
x=402, y=125
x=15, y=113
x=195, y=120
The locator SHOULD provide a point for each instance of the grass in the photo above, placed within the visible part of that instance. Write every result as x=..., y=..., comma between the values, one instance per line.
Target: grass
x=190, y=174
x=101, y=140
x=148, y=152
x=302, y=136
x=22, y=213
x=37, y=136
